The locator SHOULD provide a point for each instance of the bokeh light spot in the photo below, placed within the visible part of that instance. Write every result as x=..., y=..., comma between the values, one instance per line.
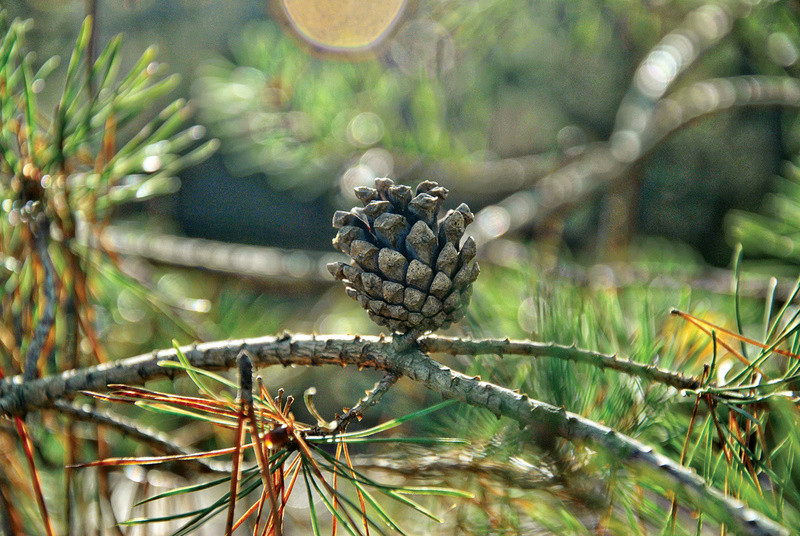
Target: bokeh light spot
x=355, y=176
x=365, y=129
x=781, y=49
x=342, y=25
x=151, y=163
x=625, y=146
x=658, y=71
x=379, y=160
x=423, y=45
x=493, y=221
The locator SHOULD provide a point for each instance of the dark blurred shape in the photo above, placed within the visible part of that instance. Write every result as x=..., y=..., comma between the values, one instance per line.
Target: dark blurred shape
x=247, y=210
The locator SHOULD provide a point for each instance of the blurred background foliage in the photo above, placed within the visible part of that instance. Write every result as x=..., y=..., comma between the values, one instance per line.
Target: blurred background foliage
x=452, y=87
x=485, y=97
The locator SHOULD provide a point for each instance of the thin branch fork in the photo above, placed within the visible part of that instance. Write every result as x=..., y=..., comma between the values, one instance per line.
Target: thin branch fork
x=18, y=397
x=372, y=397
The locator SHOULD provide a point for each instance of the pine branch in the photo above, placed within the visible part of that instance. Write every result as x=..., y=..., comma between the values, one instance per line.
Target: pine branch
x=17, y=397
x=549, y=420
x=455, y=346
x=45, y=325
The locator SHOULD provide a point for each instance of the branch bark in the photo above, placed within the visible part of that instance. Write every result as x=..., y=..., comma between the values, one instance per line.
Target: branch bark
x=17, y=397
x=500, y=347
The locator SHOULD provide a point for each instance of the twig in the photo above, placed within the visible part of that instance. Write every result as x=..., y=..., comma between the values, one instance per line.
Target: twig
x=488, y=177
x=500, y=347
x=237, y=454
x=158, y=440
x=18, y=397
x=45, y=325
x=701, y=29
x=620, y=275
x=374, y=396
x=270, y=265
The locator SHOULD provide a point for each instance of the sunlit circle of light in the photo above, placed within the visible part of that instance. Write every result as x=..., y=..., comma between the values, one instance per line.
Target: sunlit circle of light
x=713, y=21
x=726, y=92
x=297, y=263
x=379, y=160
x=341, y=25
x=625, y=146
x=359, y=175
x=658, y=71
x=129, y=307
x=493, y=221
x=781, y=50
x=683, y=46
x=151, y=163
x=632, y=117
x=365, y=129
x=791, y=89
x=528, y=315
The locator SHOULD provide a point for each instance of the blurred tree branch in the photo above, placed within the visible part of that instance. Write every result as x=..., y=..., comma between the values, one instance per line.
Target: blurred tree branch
x=604, y=163
x=644, y=117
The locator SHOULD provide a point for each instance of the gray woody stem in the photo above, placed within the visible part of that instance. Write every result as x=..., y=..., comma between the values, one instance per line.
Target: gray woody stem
x=18, y=397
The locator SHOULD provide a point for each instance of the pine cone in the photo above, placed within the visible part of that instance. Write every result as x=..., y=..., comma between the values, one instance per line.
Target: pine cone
x=409, y=270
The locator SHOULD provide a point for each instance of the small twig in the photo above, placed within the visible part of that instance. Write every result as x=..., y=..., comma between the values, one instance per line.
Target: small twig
x=607, y=162
x=500, y=347
x=246, y=383
x=701, y=29
x=157, y=440
x=620, y=275
x=45, y=325
x=374, y=396
x=644, y=118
